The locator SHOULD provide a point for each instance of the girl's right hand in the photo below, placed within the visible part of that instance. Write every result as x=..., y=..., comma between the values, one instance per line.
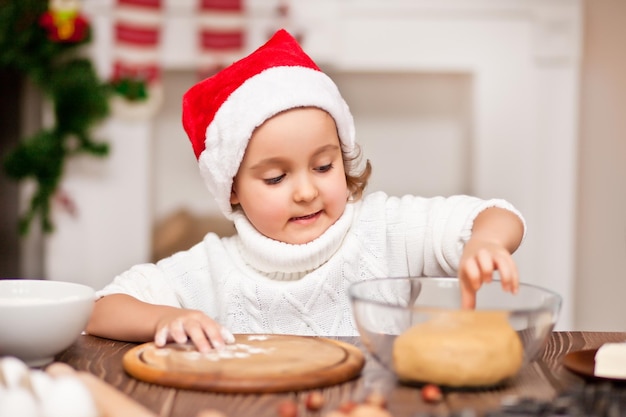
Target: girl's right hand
x=179, y=325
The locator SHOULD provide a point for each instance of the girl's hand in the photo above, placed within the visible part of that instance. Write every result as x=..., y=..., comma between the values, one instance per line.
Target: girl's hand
x=480, y=259
x=180, y=325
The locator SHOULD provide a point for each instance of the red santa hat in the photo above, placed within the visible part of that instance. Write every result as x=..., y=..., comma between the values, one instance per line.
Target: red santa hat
x=221, y=112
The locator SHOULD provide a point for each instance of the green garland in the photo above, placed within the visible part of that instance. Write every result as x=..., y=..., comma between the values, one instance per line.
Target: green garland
x=79, y=101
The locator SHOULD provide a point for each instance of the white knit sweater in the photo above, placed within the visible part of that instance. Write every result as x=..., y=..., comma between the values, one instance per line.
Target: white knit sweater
x=252, y=284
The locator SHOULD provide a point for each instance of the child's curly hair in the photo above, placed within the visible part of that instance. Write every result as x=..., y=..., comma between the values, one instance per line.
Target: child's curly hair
x=356, y=183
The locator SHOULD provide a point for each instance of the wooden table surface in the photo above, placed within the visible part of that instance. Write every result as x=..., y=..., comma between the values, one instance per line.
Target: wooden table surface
x=542, y=379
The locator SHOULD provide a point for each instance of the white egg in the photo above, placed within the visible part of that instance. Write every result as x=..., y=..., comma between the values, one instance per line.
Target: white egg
x=68, y=397
x=18, y=402
x=40, y=383
x=14, y=371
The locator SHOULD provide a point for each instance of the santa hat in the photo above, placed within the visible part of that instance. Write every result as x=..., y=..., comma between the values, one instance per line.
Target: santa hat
x=221, y=112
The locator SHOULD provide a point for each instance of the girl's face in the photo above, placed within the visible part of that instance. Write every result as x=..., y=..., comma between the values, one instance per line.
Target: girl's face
x=291, y=183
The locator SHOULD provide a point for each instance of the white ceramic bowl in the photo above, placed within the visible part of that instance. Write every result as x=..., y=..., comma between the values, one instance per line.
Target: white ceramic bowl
x=40, y=318
x=386, y=308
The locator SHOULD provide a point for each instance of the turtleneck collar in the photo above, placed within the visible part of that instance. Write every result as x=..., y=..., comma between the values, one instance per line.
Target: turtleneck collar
x=284, y=261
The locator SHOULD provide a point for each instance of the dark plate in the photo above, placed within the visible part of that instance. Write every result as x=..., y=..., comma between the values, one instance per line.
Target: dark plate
x=582, y=362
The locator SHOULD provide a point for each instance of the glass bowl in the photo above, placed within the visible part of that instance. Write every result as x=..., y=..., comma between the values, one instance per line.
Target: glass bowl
x=416, y=328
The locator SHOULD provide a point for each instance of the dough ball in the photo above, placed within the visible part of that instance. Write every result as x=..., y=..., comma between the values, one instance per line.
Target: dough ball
x=466, y=348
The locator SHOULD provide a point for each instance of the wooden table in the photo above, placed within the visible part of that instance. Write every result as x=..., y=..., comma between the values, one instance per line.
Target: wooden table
x=543, y=379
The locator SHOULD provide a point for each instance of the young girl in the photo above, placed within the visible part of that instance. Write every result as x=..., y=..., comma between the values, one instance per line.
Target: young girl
x=275, y=145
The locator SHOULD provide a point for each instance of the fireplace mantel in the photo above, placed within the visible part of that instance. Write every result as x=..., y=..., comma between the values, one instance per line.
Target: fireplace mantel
x=523, y=57
x=337, y=31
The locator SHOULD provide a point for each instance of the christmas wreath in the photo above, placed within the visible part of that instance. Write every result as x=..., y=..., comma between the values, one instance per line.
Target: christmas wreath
x=42, y=41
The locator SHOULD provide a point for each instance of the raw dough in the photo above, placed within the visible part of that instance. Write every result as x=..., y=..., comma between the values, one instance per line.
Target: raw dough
x=459, y=349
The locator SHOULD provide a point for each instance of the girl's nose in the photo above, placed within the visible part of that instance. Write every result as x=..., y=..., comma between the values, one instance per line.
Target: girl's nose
x=305, y=189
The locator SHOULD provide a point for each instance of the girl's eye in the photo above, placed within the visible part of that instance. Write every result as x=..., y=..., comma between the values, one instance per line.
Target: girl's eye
x=275, y=180
x=324, y=168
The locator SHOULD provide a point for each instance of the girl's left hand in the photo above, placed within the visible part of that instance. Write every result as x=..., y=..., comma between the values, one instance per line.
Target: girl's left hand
x=479, y=261
x=181, y=325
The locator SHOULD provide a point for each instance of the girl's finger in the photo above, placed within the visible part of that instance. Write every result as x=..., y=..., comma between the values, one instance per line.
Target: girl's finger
x=177, y=331
x=508, y=275
x=468, y=296
x=485, y=264
x=506, y=280
x=160, y=338
x=214, y=333
x=197, y=336
x=470, y=275
x=227, y=335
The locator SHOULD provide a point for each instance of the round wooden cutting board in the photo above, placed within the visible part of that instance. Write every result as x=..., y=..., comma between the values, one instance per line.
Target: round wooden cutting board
x=253, y=364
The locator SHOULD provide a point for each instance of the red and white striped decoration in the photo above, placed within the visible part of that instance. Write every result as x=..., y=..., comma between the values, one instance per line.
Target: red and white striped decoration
x=221, y=34
x=137, y=36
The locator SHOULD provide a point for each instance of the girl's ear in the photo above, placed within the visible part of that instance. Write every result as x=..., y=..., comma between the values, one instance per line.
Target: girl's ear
x=233, y=197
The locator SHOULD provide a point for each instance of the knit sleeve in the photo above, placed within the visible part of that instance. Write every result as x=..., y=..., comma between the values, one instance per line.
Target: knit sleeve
x=431, y=232
x=146, y=282
x=180, y=280
x=463, y=212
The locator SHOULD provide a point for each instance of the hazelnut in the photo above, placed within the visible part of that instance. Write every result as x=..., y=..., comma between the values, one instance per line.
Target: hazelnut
x=431, y=393
x=314, y=401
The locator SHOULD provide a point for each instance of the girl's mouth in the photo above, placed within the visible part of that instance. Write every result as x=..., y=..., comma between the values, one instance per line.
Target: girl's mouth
x=307, y=217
